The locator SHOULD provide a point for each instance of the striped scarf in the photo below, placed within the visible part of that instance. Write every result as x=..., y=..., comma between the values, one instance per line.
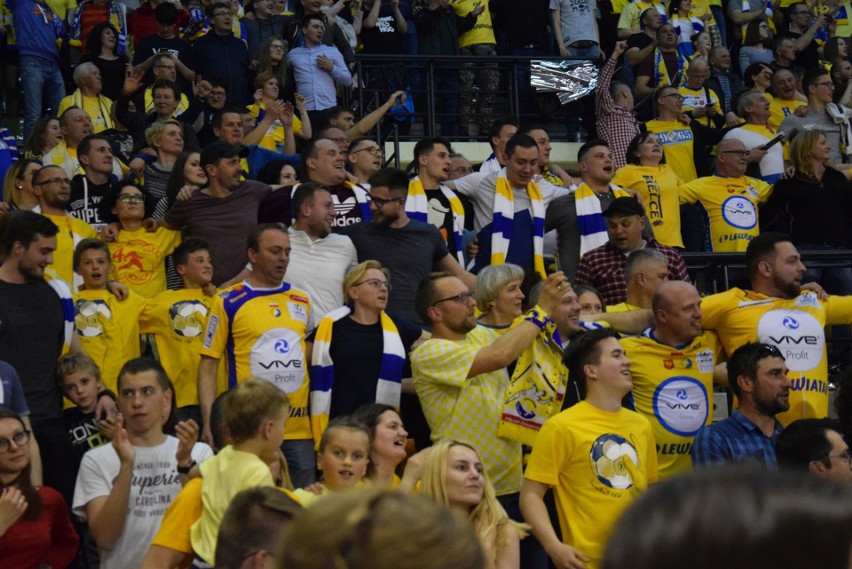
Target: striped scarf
x=504, y=219
x=590, y=220
x=67, y=302
x=417, y=207
x=117, y=18
x=104, y=105
x=663, y=76
x=389, y=386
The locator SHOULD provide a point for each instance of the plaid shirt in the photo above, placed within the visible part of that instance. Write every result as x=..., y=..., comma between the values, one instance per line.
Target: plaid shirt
x=616, y=124
x=603, y=268
x=736, y=439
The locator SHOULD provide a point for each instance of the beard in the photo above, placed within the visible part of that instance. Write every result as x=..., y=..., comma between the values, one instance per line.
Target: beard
x=790, y=289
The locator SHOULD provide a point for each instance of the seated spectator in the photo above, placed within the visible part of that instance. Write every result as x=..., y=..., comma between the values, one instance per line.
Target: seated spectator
x=280, y=172
x=220, y=53
x=659, y=186
x=45, y=135
x=784, y=54
x=387, y=449
x=459, y=166
x=701, y=44
x=758, y=77
x=604, y=267
x=18, y=184
x=88, y=97
x=90, y=13
x=453, y=474
x=766, y=164
x=176, y=53
x=664, y=66
x=213, y=102
x=786, y=99
x=815, y=446
x=757, y=374
x=757, y=44
x=36, y=529
x=102, y=50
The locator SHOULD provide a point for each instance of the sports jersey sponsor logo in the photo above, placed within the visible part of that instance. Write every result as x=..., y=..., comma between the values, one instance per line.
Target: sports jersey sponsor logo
x=278, y=358
x=674, y=449
x=807, y=299
x=344, y=207
x=681, y=405
x=739, y=212
x=675, y=136
x=211, y=331
x=299, y=298
x=87, y=317
x=797, y=334
x=187, y=318
x=668, y=364
x=608, y=458
x=298, y=311
x=705, y=361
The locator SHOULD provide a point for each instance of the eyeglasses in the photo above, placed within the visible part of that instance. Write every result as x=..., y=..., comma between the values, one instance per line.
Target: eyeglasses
x=460, y=298
x=375, y=283
x=53, y=181
x=677, y=95
x=373, y=150
x=844, y=456
x=825, y=84
x=217, y=14
x=276, y=46
x=741, y=154
x=216, y=94
x=380, y=202
x=20, y=439
x=127, y=198
x=761, y=352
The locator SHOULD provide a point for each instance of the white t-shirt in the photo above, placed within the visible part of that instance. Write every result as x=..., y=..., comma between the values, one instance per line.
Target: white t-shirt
x=155, y=484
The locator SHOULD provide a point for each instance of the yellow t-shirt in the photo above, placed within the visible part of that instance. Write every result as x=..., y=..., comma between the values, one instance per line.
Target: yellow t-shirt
x=97, y=111
x=61, y=7
x=139, y=259
x=673, y=389
x=597, y=462
x=779, y=109
x=677, y=141
x=629, y=18
x=731, y=207
x=696, y=99
x=482, y=31
x=177, y=320
x=622, y=307
x=275, y=136
x=71, y=232
x=795, y=326
x=458, y=407
x=224, y=475
x=660, y=190
x=108, y=330
x=261, y=333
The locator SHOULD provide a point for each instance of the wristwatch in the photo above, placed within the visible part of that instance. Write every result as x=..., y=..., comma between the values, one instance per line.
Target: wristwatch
x=185, y=469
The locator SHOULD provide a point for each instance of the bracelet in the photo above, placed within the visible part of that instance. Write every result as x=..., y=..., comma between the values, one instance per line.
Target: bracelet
x=186, y=469
x=106, y=393
x=538, y=317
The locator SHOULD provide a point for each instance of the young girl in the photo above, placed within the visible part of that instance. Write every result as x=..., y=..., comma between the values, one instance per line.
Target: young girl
x=344, y=453
x=454, y=474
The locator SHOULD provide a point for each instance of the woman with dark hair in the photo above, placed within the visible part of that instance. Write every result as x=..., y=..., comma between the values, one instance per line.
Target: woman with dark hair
x=685, y=25
x=277, y=172
x=757, y=44
x=835, y=49
x=35, y=529
x=590, y=299
x=187, y=177
x=101, y=49
x=387, y=450
x=647, y=173
x=758, y=77
x=272, y=54
x=45, y=135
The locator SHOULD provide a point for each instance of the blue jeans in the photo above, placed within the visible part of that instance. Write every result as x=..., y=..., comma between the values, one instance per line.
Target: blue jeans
x=301, y=461
x=719, y=16
x=42, y=83
x=591, y=52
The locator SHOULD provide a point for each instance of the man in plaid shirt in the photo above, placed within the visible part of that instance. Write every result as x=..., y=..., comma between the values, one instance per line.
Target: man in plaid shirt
x=603, y=268
x=614, y=104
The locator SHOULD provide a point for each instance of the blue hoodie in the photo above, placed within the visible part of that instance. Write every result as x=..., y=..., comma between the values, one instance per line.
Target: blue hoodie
x=37, y=28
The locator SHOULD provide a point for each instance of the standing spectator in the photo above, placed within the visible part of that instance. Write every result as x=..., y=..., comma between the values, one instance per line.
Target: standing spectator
x=219, y=52
x=333, y=35
x=365, y=158
x=476, y=42
x=91, y=188
x=38, y=28
x=757, y=44
x=265, y=27
x=722, y=80
x=88, y=97
x=664, y=66
x=166, y=138
x=383, y=27
x=575, y=28
x=101, y=50
x=686, y=25
x=768, y=165
x=318, y=70
x=641, y=44
x=501, y=130
x=143, y=20
x=166, y=105
x=741, y=13
x=90, y=13
x=46, y=134
x=757, y=374
x=616, y=121
x=164, y=42
x=802, y=30
x=630, y=21
x=271, y=60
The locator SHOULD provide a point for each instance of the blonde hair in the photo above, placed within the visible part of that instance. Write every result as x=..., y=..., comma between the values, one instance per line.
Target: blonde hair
x=488, y=516
x=357, y=273
x=250, y=404
x=154, y=133
x=800, y=150
x=491, y=280
x=17, y=171
x=73, y=363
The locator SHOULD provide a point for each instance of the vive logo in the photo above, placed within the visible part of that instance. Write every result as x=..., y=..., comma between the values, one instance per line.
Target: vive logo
x=682, y=395
x=282, y=347
x=790, y=323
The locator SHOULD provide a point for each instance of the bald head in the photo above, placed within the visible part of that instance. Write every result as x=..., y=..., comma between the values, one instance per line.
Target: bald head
x=677, y=313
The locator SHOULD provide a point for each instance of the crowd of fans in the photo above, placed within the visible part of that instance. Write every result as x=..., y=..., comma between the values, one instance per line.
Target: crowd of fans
x=213, y=289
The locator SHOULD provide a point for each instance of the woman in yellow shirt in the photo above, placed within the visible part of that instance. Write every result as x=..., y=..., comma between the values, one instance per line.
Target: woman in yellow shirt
x=275, y=139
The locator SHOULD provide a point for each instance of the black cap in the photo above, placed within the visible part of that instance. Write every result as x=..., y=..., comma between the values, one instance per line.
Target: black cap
x=624, y=205
x=217, y=150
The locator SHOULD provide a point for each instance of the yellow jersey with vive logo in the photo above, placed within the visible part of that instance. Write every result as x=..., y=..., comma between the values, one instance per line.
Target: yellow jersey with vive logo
x=672, y=388
x=730, y=206
x=795, y=326
x=261, y=333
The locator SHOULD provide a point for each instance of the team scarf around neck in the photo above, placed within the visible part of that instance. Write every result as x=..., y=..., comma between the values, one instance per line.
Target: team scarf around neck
x=417, y=207
x=104, y=105
x=66, y=300
x=117, y=18
x=590, y=219
x=662, y=72
x=389, y=386
x=504, y=220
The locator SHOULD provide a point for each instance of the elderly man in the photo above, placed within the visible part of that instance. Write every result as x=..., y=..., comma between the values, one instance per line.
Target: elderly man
x=722, y=80
x=786, y=100
x=604, y=267
x=645, y=271
x=76, y=125
x=730, y=198
x=699, y=102
x=88, y=97
x=768, y=164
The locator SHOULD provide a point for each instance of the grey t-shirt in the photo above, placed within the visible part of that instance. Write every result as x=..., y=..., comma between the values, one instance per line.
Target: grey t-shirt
x=792, y=125
x=577, y=20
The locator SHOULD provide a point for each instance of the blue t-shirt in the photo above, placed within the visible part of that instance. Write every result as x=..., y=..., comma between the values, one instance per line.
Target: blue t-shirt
x=11, y=392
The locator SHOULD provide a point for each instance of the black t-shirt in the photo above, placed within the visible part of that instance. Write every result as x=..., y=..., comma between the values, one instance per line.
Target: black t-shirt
x=356, y=350
x=409, y=253
x=86, y=199
x=82, y=431
x=31, y=338
x=808, y=58
x=639, y=41
x=112, y=73
x=440, y=215
x=384, y=38
x=277, y=208
x=152, y=45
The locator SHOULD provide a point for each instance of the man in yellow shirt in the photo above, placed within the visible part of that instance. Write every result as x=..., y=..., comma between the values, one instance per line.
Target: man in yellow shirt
x=699, y=101
x=672, y=364
x=597, y=456
x=730, y=199
x=786, y=100
x=477, y=42
x=88, y=97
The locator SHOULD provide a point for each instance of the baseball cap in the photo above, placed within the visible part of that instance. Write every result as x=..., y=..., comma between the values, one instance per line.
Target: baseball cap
x=626, y=205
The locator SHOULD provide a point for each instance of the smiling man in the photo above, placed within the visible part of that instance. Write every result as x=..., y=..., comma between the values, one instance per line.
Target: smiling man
x=757, y=374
